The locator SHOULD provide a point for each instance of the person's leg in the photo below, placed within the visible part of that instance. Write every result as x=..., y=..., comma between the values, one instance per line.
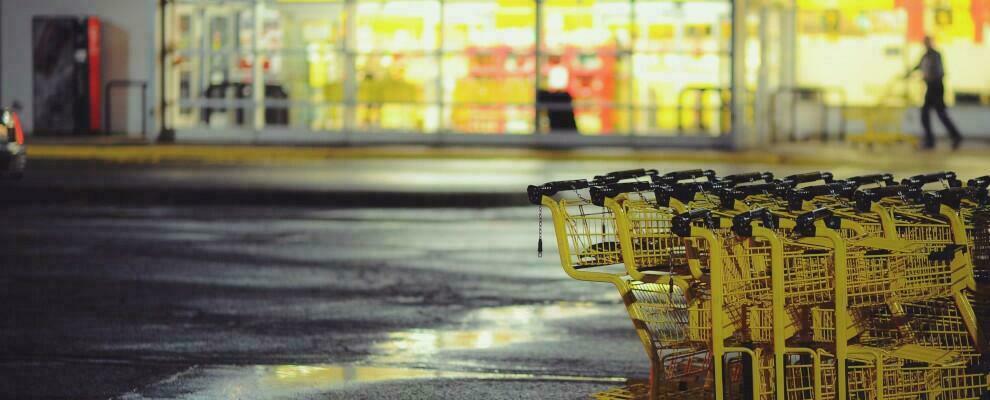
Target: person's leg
x=943, y=115
x=926, y=125
x=938, y=103
x=926, y=118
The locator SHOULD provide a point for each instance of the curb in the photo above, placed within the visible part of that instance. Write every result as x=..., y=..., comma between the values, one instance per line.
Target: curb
x=149, y=196
x=238, y=154
x=810, y=157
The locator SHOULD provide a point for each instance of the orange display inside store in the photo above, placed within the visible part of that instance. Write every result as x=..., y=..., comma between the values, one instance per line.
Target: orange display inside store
x=497, y=91
x=592, y=81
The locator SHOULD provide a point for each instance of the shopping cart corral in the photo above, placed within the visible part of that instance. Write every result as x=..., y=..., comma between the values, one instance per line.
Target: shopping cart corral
x=806, y=287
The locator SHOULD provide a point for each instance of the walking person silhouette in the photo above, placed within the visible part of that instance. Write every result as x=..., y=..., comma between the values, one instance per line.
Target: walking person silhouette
x=933, y=72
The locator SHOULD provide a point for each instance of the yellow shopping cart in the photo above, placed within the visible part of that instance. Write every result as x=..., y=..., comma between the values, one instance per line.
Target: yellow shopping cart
x=743, y=287
x=589, y=250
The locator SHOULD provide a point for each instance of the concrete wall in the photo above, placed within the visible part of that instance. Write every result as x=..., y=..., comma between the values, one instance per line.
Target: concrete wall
x=128, y=53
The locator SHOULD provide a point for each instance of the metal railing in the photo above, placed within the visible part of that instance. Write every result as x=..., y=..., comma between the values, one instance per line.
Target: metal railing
x=818, y=95
x=724, y=110
x=125, y=83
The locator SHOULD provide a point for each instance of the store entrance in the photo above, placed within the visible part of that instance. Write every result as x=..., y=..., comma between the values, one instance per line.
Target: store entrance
x=211, y=64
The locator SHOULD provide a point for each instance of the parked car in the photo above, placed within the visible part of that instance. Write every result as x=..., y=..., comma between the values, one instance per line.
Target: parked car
x=13, y=152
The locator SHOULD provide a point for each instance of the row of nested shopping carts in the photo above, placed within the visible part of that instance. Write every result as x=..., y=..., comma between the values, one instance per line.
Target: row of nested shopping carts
x=806, y=287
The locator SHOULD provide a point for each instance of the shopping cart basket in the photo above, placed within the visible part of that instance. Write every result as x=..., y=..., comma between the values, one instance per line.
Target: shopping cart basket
x=589, y=250
x=911, y=372
x=803, y=288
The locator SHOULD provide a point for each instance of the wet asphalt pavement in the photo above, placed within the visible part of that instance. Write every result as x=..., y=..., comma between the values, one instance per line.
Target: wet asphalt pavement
x=431, y=183
x=155, y=298
x=242, y=303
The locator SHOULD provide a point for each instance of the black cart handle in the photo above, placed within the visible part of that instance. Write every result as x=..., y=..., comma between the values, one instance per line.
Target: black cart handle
x=982, y=182
x=613, y=177
x=677, y=176
x=686, y=192
x=978, y=194
x=808, y=177
x=865, y=198
x=804, y=224
x=951, y=197
x=600, y=193
x=681, y=224
x=797, y=196
x=742, y=224
x=885, y=179
x=760, y=188
x=924, y=179
x=839, y=188
x=536, y=192
x=737, y=179
x=729, y=196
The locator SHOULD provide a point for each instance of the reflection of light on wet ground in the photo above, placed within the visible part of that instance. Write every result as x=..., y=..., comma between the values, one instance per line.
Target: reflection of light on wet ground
x=431, y=341
x=314, y=381
x=328, y=376
x=483, y=329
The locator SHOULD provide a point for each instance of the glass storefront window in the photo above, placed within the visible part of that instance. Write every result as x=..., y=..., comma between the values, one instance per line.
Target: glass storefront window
x=489, y=90
x=211, y=65
x=396, y=92
x=863, y=46
x=868, y=46
x=612, y=67
x=489, y=24
x=860, y=51
x=681, y=67
x=488, y=66
x=305, y=64
x=585, y=53
x=396, y=65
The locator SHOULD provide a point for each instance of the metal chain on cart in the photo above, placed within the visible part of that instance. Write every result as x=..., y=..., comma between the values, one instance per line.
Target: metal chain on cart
x=539, y=243
x=642, y=197
x=904, y=196
x=701, y=189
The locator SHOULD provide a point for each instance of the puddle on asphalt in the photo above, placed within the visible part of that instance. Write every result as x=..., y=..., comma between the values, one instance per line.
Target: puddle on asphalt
x=306, y=381
x=485, y=328
x=330, y=376
x=333, y=375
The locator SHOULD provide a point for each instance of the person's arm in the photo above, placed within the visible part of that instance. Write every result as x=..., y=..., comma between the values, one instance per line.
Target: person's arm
x=916, y=67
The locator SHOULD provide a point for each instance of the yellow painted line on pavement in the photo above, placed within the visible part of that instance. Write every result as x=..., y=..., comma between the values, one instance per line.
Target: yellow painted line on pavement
x=268, y=154
x=814, y=156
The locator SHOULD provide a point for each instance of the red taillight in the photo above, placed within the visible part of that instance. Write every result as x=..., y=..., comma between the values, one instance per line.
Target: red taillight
x=19, y=132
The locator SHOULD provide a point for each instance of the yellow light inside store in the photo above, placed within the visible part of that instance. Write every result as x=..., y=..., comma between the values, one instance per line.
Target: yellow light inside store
x=391, y=24
x=573, y=22
x=660, y=31
x=307, y=1
x=460, y=29
x=953, y=21
x=615, y=29
x=698, y=31
x=515, y=3
x=515, y=19
x=570, y=3
x=846, y=5
x=549, y=3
